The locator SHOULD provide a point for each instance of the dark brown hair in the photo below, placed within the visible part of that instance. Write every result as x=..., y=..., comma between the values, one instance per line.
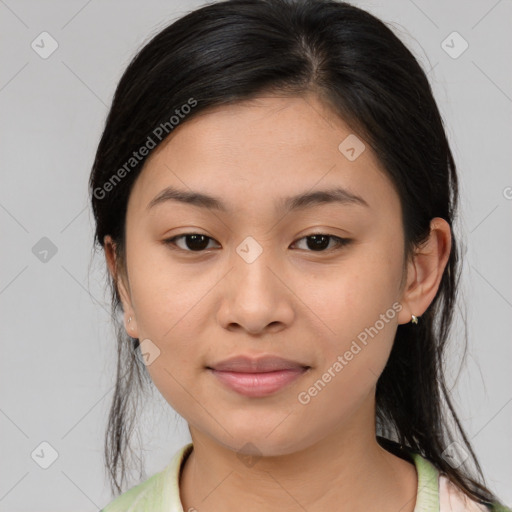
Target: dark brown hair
x=235, y=50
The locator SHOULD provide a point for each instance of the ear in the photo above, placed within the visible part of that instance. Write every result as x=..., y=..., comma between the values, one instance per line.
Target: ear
x=425, y=271
x=123, y=288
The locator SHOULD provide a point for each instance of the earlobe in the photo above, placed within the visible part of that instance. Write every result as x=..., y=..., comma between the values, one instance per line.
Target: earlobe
x=407, y=312
x=131, y=327
x=425, y=271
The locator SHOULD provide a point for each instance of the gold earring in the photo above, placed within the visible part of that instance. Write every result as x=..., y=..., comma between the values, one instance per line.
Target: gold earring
x=414, y=319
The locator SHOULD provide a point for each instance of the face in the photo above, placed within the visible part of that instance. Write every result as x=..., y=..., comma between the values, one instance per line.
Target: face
x=314, y=281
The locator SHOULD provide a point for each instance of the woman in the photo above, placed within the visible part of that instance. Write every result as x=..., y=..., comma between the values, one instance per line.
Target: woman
x=275, y=195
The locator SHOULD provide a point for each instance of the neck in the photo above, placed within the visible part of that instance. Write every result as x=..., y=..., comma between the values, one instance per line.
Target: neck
x=346, y=470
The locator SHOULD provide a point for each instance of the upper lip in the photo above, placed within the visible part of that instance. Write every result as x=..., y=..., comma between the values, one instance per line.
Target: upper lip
x=247, y=364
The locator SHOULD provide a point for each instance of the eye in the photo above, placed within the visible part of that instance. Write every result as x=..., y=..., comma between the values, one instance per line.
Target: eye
x=317, y=242
x=196, y=242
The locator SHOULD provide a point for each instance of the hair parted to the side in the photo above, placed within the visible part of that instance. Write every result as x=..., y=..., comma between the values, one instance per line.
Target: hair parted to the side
x=231, y=51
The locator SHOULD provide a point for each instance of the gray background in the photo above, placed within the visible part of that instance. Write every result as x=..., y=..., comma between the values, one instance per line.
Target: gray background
x=57, y=364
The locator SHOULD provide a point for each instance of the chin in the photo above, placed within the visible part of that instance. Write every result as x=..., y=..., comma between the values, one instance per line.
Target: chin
x=255, y=443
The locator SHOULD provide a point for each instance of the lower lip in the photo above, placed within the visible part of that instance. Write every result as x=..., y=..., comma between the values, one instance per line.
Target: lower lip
x=258, y=384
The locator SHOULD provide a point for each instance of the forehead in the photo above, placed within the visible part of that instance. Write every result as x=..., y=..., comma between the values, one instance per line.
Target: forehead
x=258, y=151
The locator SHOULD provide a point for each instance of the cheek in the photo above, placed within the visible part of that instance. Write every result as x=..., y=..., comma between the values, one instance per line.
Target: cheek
x=344, y=299
x=171, y=305
x=165, y=295
x=351, y=362
x=356, y=312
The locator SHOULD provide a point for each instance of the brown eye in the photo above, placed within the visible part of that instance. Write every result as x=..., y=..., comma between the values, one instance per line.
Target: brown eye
x=319, y=242
x=193, y=242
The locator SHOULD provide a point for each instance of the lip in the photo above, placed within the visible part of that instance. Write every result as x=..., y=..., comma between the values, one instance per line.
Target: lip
x=257, y=377
x=247, y=364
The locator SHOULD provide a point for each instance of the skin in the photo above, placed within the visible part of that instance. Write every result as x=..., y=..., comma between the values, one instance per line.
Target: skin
x=292, y=301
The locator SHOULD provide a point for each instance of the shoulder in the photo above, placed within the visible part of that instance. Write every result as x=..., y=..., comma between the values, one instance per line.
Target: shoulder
x=437, y=493
x=140, y=497
x=158, y=493
x=452, y=499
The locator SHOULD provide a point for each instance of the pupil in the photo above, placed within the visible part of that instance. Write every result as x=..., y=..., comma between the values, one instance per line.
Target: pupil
x=319, y=242
x=197, y=242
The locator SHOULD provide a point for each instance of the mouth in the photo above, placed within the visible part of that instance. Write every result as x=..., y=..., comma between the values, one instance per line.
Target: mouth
x=257, y=377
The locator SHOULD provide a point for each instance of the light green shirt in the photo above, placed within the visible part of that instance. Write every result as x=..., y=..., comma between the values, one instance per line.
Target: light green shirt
x=160, y=493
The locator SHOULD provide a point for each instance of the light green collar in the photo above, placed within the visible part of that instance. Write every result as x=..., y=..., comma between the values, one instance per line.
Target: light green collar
x=161, y=491
x=427, y=496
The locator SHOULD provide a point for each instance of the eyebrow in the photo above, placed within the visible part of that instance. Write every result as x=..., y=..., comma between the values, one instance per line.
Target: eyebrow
x=287, y=204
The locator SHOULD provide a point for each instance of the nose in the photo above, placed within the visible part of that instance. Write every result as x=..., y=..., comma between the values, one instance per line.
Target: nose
x=255, y=297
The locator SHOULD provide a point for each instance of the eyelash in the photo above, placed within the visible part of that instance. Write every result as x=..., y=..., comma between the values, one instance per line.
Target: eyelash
x=340, y=242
